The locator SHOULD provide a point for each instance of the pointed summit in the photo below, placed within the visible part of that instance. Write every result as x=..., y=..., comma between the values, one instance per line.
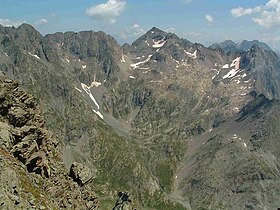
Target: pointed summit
x=156, y=30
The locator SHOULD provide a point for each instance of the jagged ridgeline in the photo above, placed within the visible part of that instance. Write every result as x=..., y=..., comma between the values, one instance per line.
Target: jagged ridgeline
x=174, y=124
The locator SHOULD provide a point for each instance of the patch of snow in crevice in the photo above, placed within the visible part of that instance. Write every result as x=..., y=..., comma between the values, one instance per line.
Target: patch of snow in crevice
x=152, y=32
x=84, y=66
x=159, y=44
x=36, y=56
x=136, y=65
x=67, y=60
x=226, y=66
x=218, y=72
x=147, y=43
x=245, y=145
x=231, y=73
x=123, y=60
x=98, y=113
x=145, y=72
x=152, y=81
x=192, y=55
x=216, y=64
x=132, y=77
x=244, y=75
x=6, y=54
x=144, y=68
x=78, y=89
x=175, y=60
x=87, y=90
x=95, y=84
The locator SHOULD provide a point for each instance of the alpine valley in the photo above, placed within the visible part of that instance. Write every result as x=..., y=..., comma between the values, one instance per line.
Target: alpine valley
x=175, y=124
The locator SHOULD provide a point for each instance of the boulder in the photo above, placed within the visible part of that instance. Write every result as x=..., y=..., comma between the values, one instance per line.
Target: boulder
x=80, y=173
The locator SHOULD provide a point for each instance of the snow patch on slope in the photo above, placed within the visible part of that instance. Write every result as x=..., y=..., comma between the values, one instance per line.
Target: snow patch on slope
x=231, y=73
x=36, y=56
x=78, y=89
x=147, y=43
x=87, y=90
x=123, y=60
x=136, y=65
x=159, y=44
x=226, y=66
x=192, y=55
x=98, y=113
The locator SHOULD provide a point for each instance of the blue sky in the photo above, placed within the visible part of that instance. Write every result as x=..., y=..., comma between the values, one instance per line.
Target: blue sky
x=204, y=21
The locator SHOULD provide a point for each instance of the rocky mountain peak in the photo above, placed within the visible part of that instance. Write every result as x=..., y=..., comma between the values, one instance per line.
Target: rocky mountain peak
x=229, y=45
x=246, y=45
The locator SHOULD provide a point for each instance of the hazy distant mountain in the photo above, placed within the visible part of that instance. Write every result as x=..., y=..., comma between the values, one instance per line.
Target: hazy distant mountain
x=176, y=124
x=245, y=45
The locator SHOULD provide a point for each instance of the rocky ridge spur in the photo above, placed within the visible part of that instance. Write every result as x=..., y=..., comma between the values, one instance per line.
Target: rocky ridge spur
x=32, y=174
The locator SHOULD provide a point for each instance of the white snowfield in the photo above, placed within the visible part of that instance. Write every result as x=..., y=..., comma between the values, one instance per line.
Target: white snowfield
x=231, y=73
x=159, y=44
x=192, y=55
x=36, y=56
x=87, y=90
x=136, y=65
x=226, y=66
x=235, y=64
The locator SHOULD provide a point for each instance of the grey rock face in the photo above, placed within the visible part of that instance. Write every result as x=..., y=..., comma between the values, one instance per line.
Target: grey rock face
x=31, y=175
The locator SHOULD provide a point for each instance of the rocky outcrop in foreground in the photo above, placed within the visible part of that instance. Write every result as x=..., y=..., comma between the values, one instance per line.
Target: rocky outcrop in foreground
x=32, y=174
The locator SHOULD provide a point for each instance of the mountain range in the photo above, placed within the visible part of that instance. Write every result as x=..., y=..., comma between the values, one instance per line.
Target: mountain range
x=244, y=45
x=175, y=124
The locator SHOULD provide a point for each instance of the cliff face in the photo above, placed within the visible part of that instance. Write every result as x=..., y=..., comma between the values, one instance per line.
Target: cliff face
x=32, y=174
